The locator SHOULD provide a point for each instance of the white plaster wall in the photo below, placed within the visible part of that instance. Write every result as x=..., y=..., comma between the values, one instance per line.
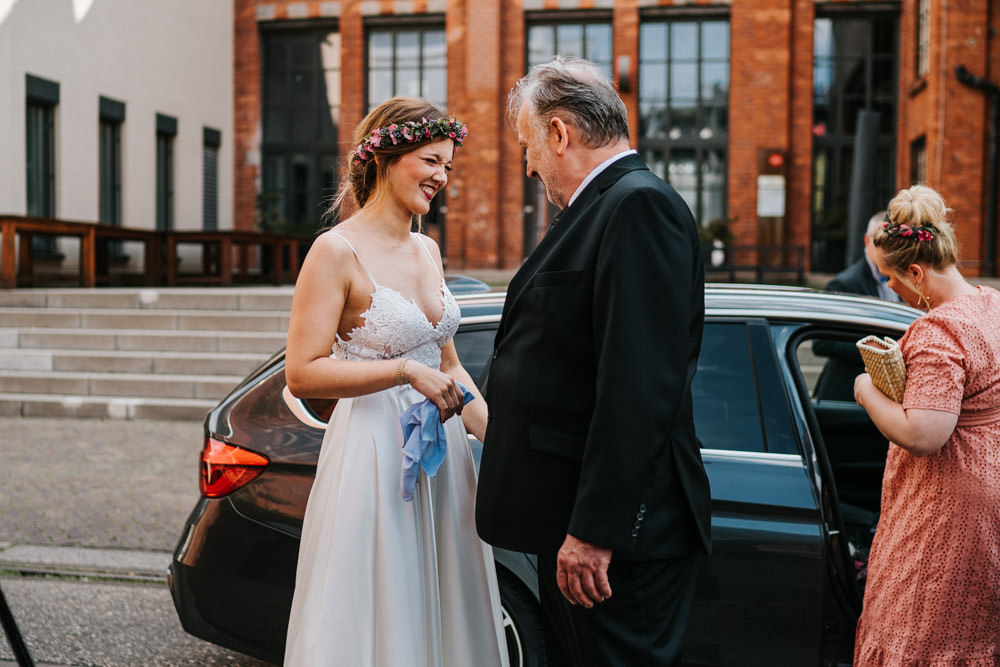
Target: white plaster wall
x=157, y=56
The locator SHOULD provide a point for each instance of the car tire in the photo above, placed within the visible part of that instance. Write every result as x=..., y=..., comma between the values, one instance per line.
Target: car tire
x=522, y=623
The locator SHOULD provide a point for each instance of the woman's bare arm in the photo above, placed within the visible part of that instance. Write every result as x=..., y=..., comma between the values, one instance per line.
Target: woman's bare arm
x=918, y=431
x=317, y=308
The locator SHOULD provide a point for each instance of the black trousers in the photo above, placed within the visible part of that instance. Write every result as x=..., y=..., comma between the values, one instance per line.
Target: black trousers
x=642, y=624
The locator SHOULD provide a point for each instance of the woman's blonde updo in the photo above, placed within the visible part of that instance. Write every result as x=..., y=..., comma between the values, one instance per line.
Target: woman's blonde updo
x=362, y=178
x=911, y=215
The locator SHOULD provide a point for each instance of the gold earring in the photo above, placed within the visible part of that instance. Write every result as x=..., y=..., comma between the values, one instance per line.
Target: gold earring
x=923, y=301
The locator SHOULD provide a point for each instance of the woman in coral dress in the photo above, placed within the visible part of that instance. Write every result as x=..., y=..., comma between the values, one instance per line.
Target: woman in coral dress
x=933, y=593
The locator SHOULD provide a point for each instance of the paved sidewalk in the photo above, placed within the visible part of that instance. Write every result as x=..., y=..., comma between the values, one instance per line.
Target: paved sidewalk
x=102, y=504
x=96, y=494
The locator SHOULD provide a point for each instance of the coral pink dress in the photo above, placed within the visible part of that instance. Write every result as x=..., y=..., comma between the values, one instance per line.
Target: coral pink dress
x=933, y=592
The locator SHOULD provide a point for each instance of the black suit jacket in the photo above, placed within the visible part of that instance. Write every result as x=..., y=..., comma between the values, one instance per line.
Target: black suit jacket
x=836, y=381
x=856, y=279
x=591, y=429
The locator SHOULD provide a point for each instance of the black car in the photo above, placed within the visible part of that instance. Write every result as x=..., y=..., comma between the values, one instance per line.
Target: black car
x=795, y=467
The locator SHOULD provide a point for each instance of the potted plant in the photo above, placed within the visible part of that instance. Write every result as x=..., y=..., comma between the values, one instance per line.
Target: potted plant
x=715, y=235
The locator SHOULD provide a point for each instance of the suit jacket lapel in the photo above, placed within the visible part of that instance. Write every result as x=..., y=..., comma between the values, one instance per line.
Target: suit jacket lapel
x=565, y=221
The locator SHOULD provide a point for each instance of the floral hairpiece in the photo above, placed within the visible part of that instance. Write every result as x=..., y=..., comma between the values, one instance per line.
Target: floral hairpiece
x=409, y=132
x=922, y=232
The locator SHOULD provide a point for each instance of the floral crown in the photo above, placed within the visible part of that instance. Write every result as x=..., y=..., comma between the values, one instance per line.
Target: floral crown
x=920, y=232
x=408, y=133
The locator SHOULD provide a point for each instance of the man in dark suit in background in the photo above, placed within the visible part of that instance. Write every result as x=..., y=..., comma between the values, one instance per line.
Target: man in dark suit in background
x=862, y=277
x=843, y=364
x=591, y=459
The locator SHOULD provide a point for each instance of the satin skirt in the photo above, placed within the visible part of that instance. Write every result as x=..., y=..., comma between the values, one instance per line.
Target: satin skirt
x=382, y=582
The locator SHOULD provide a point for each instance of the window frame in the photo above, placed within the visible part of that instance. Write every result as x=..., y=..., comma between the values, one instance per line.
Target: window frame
x=296, y=180
x=211, y=141
x=434, y=223
x=918, y=159
x=166, y=134
x=922, y=43
x=395, y=25
x=537, y=211
x=41, y=103
x=704, y=148
x=833, y=147
x=111, y=117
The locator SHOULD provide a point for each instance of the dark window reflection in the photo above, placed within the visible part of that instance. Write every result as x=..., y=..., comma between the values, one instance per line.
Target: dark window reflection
x=684, y=108
x=474, y=347
x=300, y=113
x=411, y=61
x=40, y=163
x=856, y=68
x=724, y=393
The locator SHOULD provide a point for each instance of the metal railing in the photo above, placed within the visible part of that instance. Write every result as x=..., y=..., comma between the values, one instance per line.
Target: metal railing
x=758, y=261
x=225, y=255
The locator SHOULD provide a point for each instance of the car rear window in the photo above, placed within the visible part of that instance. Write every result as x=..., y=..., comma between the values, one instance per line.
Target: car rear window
x=724, y=391
x=474, y=345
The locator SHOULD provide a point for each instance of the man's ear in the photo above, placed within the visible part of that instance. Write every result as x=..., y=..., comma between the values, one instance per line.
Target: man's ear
x=559, y=134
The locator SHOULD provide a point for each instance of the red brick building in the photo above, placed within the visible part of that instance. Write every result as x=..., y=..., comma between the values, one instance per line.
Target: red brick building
x=713, y=91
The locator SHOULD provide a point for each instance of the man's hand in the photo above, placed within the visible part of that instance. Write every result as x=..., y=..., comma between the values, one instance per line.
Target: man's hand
x=582, y=572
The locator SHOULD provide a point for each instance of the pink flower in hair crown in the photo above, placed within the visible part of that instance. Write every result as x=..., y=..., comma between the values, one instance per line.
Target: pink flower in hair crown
x=410, y=132
x=919, y=232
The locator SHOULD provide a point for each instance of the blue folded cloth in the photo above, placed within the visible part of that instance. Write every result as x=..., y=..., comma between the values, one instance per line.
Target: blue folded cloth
x=423, y=441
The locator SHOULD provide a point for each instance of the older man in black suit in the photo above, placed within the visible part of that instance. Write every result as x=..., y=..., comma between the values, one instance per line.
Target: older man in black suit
x=862, y=277
x=591, y=459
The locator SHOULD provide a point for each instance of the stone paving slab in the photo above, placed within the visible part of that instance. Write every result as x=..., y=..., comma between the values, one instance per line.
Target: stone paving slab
x=71, y=623
x=104, y=407
x=97, y=483
x=98, y=499
x=117, y=563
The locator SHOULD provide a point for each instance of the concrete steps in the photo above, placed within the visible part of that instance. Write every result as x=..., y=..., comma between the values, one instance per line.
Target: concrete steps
x=137, y=339
x=160, y=320
x=133, y=353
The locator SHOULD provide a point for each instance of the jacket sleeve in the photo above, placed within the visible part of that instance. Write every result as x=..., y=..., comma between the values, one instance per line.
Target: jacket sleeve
x=648, y=307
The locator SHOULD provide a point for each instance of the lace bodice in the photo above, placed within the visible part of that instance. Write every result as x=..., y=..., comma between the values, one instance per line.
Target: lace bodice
x=396, y=327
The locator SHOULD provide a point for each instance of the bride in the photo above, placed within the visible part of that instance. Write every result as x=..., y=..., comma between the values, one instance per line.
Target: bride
x=391, y=570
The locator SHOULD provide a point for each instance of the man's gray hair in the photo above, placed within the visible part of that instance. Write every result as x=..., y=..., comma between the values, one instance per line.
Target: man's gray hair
x=875, y=222
x=579, y=92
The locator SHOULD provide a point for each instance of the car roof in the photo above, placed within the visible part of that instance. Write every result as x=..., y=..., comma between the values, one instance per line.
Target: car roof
x=803, y=303
x=461, y=284
x=776, y=302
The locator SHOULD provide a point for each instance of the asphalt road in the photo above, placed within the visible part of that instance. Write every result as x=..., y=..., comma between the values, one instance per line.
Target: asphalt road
x=89, y=513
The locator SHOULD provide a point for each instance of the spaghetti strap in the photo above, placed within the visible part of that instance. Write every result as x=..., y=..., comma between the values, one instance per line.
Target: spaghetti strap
x=349, y=245
x=424, y=246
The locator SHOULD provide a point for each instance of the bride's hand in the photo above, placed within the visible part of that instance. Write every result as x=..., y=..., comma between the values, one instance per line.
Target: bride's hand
x=441, y=389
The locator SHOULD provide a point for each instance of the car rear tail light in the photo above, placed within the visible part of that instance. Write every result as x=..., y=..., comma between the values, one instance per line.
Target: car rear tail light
x=225, y=468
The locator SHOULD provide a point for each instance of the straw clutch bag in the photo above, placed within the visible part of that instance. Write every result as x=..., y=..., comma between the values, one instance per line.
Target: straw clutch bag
x=884, y=362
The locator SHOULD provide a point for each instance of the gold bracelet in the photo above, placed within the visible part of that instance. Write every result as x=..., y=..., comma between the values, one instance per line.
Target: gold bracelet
x=402, y=377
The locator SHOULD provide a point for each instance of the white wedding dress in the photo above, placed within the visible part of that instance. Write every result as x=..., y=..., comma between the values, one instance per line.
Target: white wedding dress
x=382, y=581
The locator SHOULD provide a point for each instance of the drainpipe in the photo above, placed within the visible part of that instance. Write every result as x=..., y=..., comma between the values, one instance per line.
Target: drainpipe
x=991, y=89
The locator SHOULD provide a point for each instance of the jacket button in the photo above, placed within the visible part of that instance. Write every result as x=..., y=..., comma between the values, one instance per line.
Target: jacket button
x=635, y=532
x=642, y=508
